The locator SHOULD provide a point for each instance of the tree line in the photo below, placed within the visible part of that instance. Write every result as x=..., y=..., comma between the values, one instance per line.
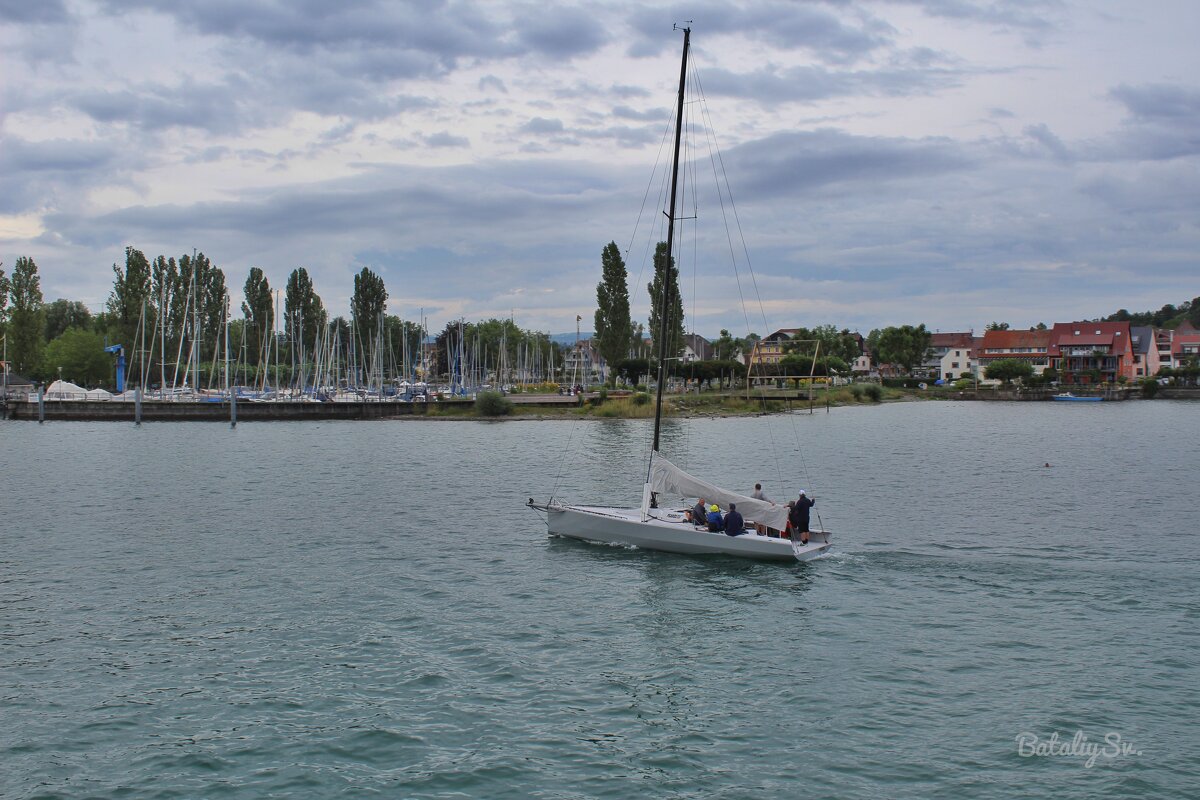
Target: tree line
x=176, y=308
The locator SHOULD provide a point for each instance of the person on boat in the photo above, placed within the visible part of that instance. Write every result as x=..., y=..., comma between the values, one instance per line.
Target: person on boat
x=798, y=516
x=716, y=523
x=734, y=524
x=759, y=494
x=697, y=514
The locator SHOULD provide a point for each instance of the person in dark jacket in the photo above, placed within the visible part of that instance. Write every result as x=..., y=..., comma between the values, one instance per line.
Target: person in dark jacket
x=716, y=523
x=798, y=516
x=734, y=524
x=698, y=514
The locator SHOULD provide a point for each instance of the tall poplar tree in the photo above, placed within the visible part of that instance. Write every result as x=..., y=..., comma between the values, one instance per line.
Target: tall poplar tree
x=131, y=287
x=26, y=323
x=211, y=299
x=4, y=287
x=663, y=265
x=366, y=308
x=368, y=302
x=258, y=313
x=303, y=312
x=614, y=328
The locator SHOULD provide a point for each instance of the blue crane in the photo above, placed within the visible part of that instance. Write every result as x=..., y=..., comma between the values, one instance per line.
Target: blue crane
x=120, y=351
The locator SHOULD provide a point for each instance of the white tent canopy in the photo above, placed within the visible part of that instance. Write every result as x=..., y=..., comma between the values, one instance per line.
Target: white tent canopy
x=65, y=390
x=667, y=478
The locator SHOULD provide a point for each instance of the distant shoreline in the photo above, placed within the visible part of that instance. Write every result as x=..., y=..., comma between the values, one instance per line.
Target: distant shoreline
x=533, y=409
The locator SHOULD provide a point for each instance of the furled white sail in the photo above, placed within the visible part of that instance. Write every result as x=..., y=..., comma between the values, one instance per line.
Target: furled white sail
x=666, y=478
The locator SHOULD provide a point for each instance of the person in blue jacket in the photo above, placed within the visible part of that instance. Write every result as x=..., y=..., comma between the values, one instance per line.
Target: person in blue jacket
x=716, y=523
x=734, y=524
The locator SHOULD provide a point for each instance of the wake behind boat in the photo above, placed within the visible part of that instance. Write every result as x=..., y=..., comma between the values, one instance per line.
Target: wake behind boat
x=650, y=526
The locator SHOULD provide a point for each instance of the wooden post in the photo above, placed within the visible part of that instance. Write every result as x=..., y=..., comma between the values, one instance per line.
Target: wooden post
x=137, y=406
x=233, y=407
x=41, y=405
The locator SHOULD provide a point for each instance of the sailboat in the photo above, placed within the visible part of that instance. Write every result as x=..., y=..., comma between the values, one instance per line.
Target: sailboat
x=650, y=527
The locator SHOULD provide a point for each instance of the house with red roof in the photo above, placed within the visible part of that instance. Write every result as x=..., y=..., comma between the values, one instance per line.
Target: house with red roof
x=1031, y=345
x=1185, y=345
x=1092, y=352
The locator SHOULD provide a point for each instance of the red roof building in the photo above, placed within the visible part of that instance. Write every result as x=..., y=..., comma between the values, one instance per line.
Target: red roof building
x=1092, y=352
x=1032, y=346
x=1185, y=347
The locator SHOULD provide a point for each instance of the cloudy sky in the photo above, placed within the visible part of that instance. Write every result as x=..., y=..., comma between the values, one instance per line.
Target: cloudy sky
x=950, y=162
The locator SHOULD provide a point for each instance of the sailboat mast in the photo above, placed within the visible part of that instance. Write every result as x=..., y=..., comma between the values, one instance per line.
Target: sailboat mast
x=666, y=284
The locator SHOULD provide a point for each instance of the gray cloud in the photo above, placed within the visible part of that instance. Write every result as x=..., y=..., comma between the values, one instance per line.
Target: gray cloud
x=33, y=11
x=780, y=24
x=559, y=32
x=1161, y=103
x=59, y=169
x=811, y=83
x=651, y=115
x=446, y=139
x=542, y=125
x=493, y=83
x=1032, y=16
x=789, y=163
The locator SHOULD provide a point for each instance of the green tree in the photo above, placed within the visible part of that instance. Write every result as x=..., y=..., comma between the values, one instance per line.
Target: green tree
x=211, y=299
x=724, y=346
x=997, y=326
x=1008, y=370
x=131, y=288
x=368, y=302
x=614, y=326
x=838, y=344
x=5, y=286
x=78, y=356
x=63, y=314
x=259, y=314
x=632, y=370
x=367, y=306
x=906, y=346
x=304, y=314
x=25, y=325
x=666, y=273
x=164, y=274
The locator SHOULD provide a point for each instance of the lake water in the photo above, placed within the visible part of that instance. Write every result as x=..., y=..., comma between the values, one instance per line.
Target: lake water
x=337, y=609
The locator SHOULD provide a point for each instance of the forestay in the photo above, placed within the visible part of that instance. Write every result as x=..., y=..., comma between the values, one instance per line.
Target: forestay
x=666, y=478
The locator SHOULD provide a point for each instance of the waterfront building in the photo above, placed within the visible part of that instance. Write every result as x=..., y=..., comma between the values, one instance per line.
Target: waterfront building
x=769, y=350
x=1092, y=352
x=1185, y=345
x=696, y=348
x=949, y=355
x=1031, y=345
x=1145, y=351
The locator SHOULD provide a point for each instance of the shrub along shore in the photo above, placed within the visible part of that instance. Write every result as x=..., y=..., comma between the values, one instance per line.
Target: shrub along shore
x=640, y=405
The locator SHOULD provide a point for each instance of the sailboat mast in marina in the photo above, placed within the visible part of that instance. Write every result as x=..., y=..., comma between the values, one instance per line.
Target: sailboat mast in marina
x=649, y=526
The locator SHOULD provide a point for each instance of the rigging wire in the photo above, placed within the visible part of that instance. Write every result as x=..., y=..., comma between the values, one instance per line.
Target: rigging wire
x=719, y=167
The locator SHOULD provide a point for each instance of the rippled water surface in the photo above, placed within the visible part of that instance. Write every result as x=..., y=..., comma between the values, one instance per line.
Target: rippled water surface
x=318, y=610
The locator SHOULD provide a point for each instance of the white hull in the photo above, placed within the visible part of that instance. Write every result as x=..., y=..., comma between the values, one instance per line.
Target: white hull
x=669, y=532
